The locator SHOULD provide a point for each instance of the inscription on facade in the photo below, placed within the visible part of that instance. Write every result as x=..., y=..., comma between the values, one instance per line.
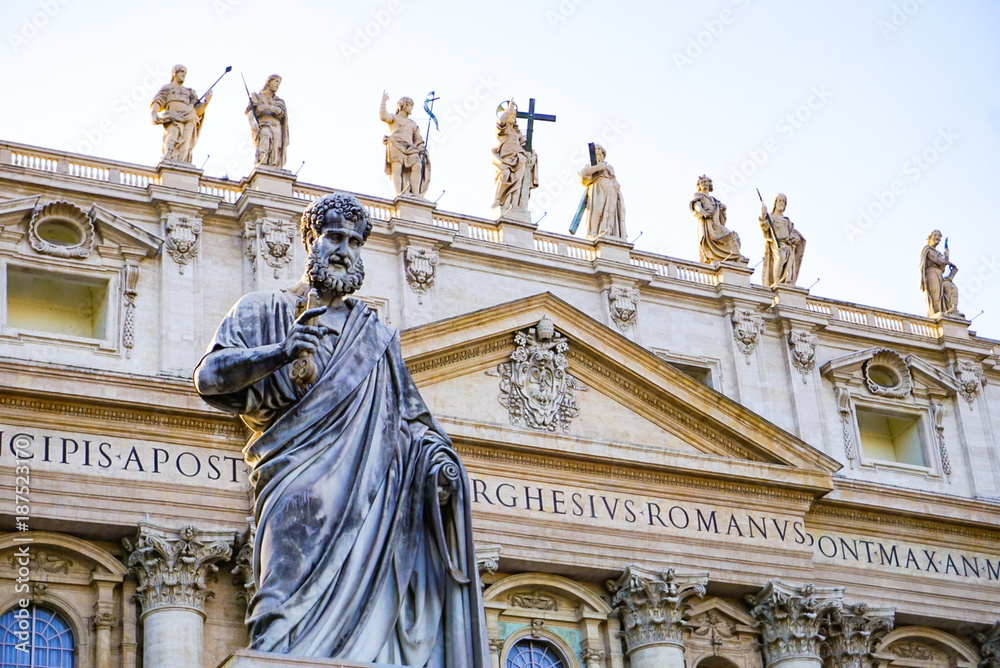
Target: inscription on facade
x=117, y=458
x=660, y=515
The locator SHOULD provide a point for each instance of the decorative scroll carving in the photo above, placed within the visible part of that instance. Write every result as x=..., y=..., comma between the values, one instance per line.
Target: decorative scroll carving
x=970, y=378
x=803, y=352
x=43, y=561
x=716, y=628
x=789, y=618
x=887, y=374
x=536, y=627
x=852, y=634
x=937, y=410
x=131, y=282
x=989, y=647
x=279, y=240
x=488, y=559
x=535, y=384
x=846, y=423
x=653, y=606
x=61, y=229
x=496, y=645
x=624, y=307
x=243, y=570
x=592, y=657
x=420, y=267
x=747, y=327
x=173, y=566
x=104, y=620
x=182, y=239
x=533, y=601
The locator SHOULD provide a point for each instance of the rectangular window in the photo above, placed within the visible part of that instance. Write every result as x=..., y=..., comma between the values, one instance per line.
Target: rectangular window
x=701, y=374
x=51, y=303
x=891, y=438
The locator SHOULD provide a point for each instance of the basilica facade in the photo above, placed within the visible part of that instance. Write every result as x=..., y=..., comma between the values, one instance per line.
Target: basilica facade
x=670, y=464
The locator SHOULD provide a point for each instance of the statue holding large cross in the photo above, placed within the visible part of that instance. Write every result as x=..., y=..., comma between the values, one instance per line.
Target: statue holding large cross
x=516, y=162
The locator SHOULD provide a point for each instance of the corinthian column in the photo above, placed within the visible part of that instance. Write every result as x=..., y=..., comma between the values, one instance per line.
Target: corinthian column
x=172, y=566
x=789, y=619
x=852, y=633
x=651, y=606
x=990, y=647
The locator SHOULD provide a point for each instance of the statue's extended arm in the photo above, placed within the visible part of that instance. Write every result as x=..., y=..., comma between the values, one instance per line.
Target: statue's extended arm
x=230, y=370
x=383, y=113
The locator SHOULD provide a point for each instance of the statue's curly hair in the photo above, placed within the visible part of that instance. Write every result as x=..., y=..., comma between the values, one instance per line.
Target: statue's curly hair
x=347, y=205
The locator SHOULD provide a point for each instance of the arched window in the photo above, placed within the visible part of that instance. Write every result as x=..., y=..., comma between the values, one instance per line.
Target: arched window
x=534, y=653
x=49, y=643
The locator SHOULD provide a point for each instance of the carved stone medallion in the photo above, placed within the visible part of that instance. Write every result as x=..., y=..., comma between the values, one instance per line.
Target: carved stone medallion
x=535, y=384
x=803, y=352
x=61, y=229
x=970, y=378
x=746, y=331
x=182, y=239
x=887, y=374
x=624, y=307
x=420, y=267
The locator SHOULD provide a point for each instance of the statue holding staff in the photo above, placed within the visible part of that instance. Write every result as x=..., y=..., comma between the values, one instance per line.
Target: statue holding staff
x=783, y=245
x=181, y=112
x=405, y=157
x=268, y=118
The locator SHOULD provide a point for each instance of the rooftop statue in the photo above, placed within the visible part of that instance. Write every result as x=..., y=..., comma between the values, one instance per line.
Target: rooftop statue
x=269, y=124
x=716, y=243
x=783, y=245
x=364, y=546
x=180, y=111
x=940, y=291
x=406, y=162
x=517, y=166
x=603, y=206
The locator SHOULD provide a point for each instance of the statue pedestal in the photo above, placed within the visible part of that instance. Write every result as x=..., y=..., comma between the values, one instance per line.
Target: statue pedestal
x=414, y=209
x=611, y=249
x=246, y=658
x=179, y=175
x=272, y=180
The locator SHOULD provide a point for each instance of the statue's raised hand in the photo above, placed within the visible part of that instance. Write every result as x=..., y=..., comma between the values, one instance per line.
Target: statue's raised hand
x=304, y=338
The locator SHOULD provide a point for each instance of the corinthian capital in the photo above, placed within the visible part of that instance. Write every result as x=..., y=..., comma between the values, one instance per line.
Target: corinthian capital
x=852, y=633
x=990, y=650
x=789, y=619
x=652, y=605
x=173, y=565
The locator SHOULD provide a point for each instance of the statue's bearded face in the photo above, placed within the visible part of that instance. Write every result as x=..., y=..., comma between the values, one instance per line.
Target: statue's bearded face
x=334, y=263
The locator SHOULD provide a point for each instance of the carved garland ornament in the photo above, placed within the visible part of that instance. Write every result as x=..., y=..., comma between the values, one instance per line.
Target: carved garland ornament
x=716, y=628
x=971, y=377
x=887, y=374
x=420, y=267
x=746, y=331
x=535, y=384
x=846, y=422
x=937, y=410
x=624, y=307
x=803, y=352
x=130, y=292
x=534, y=601
x=61, y=229
x=174, y=566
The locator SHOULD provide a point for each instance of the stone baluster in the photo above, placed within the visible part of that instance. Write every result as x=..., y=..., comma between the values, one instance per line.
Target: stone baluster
x=172, y=567
x=789, y=618
x=852, y=634
x=652, y=607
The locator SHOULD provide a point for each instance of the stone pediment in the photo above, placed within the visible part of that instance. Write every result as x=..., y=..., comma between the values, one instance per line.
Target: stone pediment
x=623, y=401
x=912, y=373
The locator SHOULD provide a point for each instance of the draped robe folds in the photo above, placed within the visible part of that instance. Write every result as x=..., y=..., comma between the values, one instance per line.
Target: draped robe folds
x=932, y=266
x=716, y=242
x=355, y=558
x=605, y=206
x=782, y=256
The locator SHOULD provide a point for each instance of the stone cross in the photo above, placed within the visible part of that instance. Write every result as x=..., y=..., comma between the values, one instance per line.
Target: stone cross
x=532, y=117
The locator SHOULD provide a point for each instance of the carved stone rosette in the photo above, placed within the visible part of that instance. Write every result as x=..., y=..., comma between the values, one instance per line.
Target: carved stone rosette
x=624, y=307
x=971, y=377
x=803, y=352
x=536, y=386
x=653, y=606
x=746, y=331
x=852, y=633
x=243, y=569
x=420, y=268
x=173, y=566
x=183, y=233
x=789, y=619
x=989, y=647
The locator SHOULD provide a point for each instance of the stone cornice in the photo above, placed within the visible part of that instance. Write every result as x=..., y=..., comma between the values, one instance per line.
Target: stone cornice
x=849, y=513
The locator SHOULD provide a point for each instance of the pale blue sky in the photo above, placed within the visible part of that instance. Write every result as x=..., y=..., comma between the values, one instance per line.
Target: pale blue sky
x=828, y=102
